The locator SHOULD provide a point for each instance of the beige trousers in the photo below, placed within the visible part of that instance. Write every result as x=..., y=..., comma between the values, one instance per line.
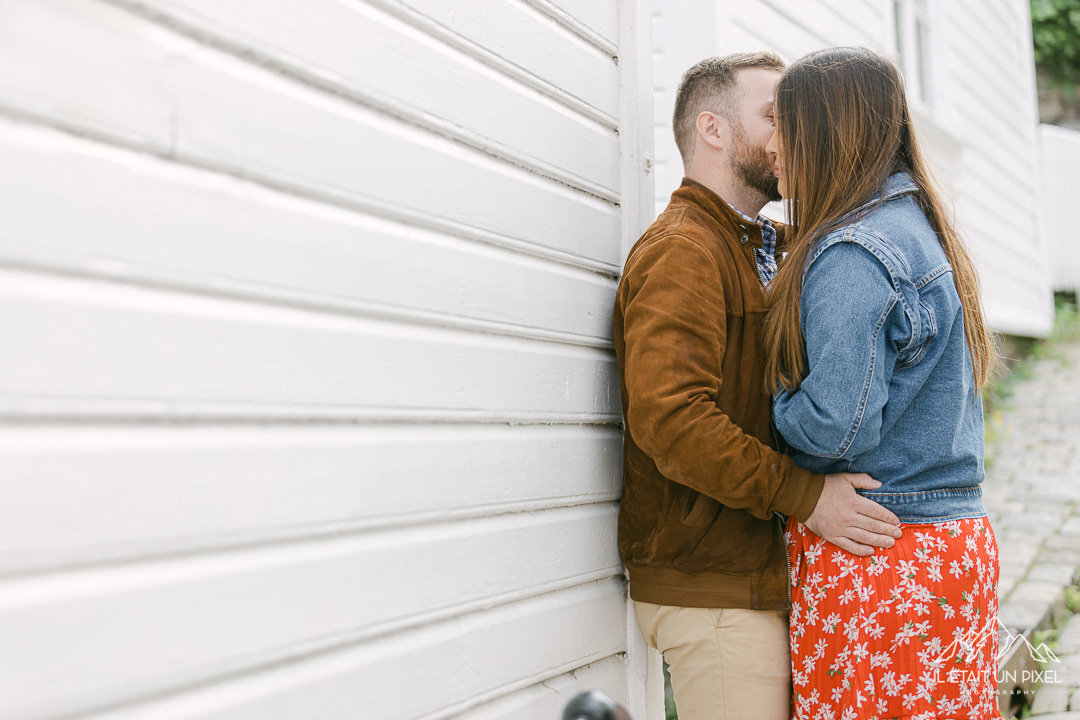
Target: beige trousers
x=725, y=663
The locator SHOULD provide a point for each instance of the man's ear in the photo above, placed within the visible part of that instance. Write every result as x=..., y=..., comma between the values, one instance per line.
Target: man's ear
x=714, y=130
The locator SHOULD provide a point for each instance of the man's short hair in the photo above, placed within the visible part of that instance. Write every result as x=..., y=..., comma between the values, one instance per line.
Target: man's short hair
x=710, y=86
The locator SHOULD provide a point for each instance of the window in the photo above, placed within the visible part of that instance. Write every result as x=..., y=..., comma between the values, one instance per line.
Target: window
x=914, y=46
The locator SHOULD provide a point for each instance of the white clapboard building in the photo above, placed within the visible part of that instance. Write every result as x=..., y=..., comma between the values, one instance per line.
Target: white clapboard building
x=1060, y=161
x=969, y=69
x=308, y=395
x=309, y=404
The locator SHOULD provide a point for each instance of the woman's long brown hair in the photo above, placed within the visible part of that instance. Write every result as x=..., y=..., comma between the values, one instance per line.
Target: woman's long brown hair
x=844, y=127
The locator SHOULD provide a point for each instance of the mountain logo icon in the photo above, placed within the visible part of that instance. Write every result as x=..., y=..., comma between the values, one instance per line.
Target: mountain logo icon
x=969, y=643
x=1044, y=654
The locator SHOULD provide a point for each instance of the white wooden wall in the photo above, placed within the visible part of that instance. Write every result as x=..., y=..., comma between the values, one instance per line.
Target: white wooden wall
x=1061, y=185
x=980, y=131
x=309, y=406
x=988, y=80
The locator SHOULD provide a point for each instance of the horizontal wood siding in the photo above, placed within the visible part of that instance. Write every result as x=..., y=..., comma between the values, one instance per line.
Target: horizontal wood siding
x=987, y=90
x=309, y=401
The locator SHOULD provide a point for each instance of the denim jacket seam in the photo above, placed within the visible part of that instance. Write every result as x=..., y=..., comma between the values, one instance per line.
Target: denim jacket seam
x=868, y=240
x=867, y=383
x=932, y=319
x=895, y=250
x=965, y=489
x=826, y=242
x=873, y=243
x=933, y=275
x=928, y=501
x=946, y=518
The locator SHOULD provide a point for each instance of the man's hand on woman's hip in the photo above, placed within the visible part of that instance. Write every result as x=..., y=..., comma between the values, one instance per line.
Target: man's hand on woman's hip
x=849, y=520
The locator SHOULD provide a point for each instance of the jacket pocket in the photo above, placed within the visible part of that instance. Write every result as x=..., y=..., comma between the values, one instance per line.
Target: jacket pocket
x=722, y=539
x=697, y=506
x=688, y=518
x=699, y=534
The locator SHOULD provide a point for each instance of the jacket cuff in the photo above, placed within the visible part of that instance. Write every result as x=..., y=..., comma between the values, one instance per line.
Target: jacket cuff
x=799, y=492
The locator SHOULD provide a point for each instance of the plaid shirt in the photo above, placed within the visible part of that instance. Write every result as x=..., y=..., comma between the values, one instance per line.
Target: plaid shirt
x=766, y=254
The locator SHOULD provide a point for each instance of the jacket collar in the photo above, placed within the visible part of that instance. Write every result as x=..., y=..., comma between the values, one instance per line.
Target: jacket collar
x=898, y=184
x=714, y=206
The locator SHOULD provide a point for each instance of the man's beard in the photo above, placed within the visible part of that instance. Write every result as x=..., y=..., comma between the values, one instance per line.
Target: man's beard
x=752, y=165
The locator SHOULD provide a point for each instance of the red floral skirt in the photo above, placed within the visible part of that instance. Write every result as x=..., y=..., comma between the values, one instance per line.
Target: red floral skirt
x=909, y=632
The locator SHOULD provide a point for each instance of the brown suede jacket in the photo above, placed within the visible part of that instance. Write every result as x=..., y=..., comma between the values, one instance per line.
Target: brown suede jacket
x=701, y=477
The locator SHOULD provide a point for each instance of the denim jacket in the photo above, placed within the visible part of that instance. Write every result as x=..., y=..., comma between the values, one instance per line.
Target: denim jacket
x=890, y=387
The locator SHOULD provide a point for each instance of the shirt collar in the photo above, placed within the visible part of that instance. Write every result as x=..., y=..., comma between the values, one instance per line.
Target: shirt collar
x=768, y=232
x=757, y=221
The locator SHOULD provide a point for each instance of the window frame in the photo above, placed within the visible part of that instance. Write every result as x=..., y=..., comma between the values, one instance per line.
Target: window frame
x=916, y=53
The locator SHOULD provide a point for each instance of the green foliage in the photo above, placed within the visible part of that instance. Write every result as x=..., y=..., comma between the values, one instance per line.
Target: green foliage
x=669, y=697
x=1055, y=26
x=1048, y=636
x=1072, y=598
x=1066, y=321
x=1066, y=329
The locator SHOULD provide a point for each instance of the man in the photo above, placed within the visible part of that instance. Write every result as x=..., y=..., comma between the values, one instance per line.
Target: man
x=702, y=483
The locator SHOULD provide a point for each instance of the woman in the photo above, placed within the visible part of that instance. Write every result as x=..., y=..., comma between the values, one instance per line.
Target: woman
x=877, y=350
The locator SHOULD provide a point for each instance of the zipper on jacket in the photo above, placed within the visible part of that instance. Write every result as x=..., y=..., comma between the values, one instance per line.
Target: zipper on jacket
x=787, y=562
x=777, y=438
x=757, y=269
x=775, y=435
